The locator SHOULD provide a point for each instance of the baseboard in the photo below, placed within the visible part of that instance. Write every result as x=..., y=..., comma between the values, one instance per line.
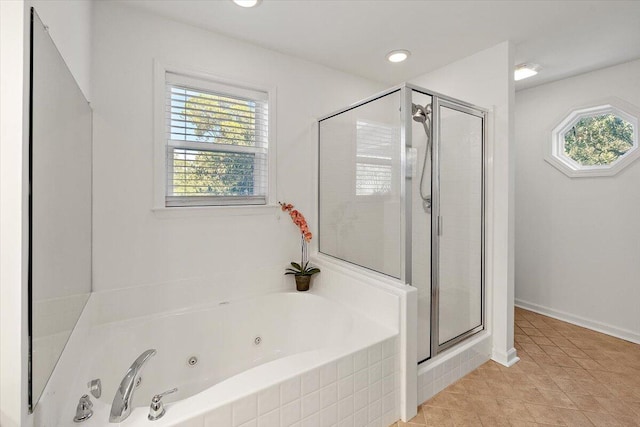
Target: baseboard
x=507, y=359
x=581, y=321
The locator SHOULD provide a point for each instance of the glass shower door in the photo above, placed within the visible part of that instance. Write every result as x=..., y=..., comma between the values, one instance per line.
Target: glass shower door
x=457, y=263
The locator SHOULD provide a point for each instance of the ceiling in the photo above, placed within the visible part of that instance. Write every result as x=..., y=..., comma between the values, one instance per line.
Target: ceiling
x=565, y=37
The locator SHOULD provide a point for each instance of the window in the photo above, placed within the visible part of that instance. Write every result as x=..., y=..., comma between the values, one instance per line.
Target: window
x=216, y=143
x=374, y=156
x=598, y=140
x=595, y=141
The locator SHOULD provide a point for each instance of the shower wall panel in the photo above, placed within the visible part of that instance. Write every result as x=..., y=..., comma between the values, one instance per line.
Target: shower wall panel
x=359, y=194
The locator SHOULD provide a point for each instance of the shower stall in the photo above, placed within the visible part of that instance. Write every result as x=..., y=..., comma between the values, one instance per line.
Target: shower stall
x=401, y=192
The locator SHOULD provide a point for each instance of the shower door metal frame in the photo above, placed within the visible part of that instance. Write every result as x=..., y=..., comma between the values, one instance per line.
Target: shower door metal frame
x=436, y=221
x=406, y=202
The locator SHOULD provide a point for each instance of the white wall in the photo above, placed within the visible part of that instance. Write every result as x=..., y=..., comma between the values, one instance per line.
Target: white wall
x=485, y=79
x=235, y=255
x=577, y=239
x=69, y=25
x=14, y=75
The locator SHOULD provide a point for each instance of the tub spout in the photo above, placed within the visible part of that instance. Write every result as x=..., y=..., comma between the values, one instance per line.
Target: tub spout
x=121, y=406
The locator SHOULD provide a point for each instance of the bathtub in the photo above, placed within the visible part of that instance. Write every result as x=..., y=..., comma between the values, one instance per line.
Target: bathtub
x=276, y=360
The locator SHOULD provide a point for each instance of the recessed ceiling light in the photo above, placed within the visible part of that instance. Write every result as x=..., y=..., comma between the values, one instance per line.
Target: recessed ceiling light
x=247, y=3
x=524, y=71
x=398, y=55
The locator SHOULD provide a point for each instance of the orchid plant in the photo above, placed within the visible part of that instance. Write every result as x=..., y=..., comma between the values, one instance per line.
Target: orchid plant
x=303, y=268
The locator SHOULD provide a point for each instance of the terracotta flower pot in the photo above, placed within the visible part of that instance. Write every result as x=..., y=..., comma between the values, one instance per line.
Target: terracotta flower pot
x=302, y=283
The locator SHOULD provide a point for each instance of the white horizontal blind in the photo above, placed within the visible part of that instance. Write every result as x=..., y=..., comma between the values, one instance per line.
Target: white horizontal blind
x=374, y=158
x=217, y=143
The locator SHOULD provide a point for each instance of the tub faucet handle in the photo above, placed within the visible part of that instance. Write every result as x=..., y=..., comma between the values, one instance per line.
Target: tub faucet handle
x=156, y=410
x=95, y=387
x=83, y=411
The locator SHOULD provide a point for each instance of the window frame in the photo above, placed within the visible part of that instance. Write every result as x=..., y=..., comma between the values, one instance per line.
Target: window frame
x=206, y=81
x=555, y=153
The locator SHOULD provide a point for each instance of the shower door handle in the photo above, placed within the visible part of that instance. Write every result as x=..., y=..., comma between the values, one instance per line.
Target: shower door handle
x=439, y=226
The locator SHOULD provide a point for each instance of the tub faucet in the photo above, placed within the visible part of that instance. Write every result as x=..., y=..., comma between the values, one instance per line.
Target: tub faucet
x=121, y=406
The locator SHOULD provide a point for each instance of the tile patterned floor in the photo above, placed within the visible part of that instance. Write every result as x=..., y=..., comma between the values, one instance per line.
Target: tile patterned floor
x=567, y=376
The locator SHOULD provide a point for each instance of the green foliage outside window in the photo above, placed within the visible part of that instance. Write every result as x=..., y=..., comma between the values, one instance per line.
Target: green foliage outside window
x=222, y=120
x=211, y=173
x=598, y=140
x=210, y=118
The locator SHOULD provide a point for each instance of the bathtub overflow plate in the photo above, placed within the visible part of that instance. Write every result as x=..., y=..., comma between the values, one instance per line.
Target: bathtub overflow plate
x=257, y=340
x=192, y=361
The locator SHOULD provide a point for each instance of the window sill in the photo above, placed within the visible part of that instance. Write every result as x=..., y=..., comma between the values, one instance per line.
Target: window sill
x=214, y=211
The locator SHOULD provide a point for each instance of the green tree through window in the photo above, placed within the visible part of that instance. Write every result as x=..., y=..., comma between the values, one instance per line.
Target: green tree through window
x=598, y=140
x=212, y=173
x=231, y=139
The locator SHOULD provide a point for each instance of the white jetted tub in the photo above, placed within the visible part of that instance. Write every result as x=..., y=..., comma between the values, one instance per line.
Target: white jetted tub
x=275, y=360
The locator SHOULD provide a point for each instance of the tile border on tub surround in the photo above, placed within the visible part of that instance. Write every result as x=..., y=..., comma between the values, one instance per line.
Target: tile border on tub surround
x=358, y=390
x=443, y=372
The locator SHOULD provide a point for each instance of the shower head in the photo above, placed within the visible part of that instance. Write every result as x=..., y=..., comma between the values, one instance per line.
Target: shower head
x=420, y=113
